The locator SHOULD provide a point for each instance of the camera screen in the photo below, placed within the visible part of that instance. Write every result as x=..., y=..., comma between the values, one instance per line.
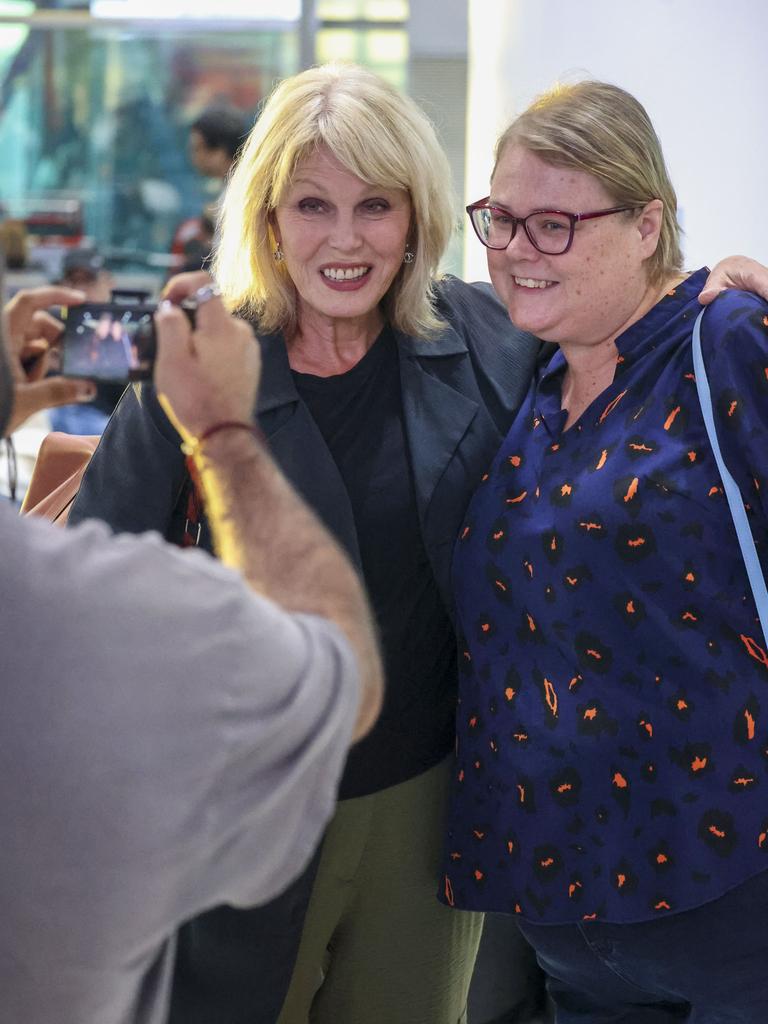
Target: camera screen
x=109, y=342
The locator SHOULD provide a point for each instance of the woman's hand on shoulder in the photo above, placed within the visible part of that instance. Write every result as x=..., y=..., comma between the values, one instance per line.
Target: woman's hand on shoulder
x=740, y=272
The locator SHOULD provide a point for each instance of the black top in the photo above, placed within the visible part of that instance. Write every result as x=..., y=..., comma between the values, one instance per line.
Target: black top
x=107, y=396
x=359, y=414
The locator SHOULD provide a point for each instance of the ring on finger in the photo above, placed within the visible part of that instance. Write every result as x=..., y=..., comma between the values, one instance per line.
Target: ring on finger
x=207, y=292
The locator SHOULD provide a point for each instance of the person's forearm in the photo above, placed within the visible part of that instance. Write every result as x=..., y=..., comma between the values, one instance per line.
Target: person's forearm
x=262, y=528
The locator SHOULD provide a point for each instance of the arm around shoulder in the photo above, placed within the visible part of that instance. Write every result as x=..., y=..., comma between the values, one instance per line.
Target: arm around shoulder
x=734, y=336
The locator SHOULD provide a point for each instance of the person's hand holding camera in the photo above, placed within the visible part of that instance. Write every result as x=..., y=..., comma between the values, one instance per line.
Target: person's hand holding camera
x=210, y=374
x=30, y=334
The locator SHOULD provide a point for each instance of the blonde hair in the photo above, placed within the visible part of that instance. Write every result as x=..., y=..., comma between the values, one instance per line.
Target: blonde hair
x=603, y=130
x=376, y=133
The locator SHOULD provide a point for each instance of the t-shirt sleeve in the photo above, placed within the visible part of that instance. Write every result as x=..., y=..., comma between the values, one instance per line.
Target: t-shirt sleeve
x=286, y=746
x=210, y=726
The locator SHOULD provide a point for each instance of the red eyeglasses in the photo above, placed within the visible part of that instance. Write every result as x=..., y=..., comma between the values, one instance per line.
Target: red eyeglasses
x=549, y=231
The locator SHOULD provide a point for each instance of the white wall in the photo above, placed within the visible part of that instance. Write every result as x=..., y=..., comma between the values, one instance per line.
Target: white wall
x=700, y=67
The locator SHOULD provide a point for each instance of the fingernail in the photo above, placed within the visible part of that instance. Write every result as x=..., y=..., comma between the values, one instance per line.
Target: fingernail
x=86, y=392
x=165, y=305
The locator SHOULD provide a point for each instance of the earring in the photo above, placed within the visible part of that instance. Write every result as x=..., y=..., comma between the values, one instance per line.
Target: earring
x=409, y=256
x=277, y=254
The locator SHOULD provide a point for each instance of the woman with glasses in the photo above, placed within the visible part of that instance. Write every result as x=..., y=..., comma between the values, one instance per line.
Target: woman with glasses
x=613, y=713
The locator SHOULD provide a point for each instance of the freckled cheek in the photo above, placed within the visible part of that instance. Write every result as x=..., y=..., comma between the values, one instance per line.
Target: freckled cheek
x=499, y=277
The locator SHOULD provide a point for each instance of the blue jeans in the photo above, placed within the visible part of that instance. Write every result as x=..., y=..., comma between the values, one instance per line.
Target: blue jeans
x=703, y=966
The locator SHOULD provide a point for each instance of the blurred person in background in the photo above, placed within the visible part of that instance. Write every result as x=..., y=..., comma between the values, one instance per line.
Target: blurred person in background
x=386, y=390
x=13, y=242
x=85, y=270
x=215, y=137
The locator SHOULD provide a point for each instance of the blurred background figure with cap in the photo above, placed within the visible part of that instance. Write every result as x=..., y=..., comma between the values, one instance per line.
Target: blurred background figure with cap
x=85, y=269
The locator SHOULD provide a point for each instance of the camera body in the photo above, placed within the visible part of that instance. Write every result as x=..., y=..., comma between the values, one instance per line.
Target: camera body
x=111, y=341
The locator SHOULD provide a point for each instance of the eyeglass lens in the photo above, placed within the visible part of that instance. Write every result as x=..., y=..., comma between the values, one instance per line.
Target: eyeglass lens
x=549, y=232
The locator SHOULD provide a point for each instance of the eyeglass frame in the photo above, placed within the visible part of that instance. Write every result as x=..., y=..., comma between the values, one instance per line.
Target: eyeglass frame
x=573, y=218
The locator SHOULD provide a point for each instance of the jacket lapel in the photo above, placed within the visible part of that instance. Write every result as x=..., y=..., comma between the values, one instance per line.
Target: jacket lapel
x=437, y=414
x=450, y=437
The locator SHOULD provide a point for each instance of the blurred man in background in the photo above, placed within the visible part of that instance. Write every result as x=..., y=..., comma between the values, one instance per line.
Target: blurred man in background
x=215, y=137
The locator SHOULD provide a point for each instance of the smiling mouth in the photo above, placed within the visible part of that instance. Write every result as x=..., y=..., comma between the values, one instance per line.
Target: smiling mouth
x=345, y=273
x=532, y=282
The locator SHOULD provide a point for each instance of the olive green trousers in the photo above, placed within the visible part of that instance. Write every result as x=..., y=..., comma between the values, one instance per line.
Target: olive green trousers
x=377, y=947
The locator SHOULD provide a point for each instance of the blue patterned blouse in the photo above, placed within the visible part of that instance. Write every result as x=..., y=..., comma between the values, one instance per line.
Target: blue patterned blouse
x=612, y=752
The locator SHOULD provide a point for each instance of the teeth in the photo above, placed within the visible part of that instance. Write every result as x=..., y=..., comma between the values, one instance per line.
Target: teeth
x=345, y=274
x=530, y=282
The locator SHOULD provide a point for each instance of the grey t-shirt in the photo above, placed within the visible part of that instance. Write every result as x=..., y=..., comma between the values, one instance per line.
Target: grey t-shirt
x=168, y=742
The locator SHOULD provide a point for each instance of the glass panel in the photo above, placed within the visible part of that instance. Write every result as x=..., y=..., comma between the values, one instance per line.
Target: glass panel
x=12, y=37
x=362, y=10
x=383, y=48
x=385, y=52
x=387, y=10
x=254, y=10
x=94, y=126
x=337, y=44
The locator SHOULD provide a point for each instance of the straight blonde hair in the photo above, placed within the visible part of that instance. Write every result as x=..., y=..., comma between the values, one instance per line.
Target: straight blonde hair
x=376, y=133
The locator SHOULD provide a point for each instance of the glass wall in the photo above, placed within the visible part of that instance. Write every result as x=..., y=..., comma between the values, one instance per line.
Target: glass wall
x=370, y=32
x=96, y=102
x=94, y=120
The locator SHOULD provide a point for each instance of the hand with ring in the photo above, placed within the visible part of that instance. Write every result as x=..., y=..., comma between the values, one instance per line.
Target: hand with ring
x=210, y=373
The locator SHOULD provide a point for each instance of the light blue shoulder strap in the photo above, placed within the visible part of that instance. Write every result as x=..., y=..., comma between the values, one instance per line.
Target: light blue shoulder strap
x=732, y=492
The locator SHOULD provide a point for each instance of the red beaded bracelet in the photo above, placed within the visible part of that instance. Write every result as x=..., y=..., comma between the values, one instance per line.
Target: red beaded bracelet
x=191, y=447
